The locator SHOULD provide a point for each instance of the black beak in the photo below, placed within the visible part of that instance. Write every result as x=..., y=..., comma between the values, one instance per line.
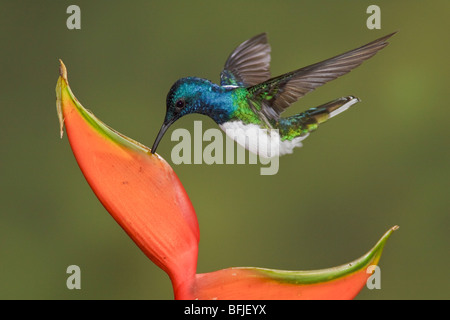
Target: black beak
x=161, y=133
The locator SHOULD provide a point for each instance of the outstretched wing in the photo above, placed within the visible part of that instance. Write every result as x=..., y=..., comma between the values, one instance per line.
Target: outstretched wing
x=276, y=94
x=248, y=64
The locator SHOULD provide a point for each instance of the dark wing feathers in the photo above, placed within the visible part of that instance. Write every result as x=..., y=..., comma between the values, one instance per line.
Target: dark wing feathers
x=276, y=94
x=248, y=64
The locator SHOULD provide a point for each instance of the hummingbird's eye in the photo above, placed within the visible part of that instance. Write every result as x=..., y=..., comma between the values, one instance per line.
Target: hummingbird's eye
x=180, y=104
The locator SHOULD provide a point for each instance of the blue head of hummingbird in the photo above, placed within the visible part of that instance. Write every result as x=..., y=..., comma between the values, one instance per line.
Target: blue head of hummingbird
x=248, y=102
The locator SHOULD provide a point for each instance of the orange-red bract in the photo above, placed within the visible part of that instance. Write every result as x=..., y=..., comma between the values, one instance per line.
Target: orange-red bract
x=144, y=195
x=342, y=282
x=140, y=190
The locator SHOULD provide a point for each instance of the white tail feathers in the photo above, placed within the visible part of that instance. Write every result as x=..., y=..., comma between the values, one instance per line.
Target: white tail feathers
x=344, y=107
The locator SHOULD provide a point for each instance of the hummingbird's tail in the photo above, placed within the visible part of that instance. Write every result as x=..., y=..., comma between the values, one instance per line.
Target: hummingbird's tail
x=300, y=125
x=332, y=108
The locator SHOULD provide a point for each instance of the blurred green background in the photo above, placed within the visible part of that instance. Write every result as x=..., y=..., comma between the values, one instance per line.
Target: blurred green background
x=384, y=162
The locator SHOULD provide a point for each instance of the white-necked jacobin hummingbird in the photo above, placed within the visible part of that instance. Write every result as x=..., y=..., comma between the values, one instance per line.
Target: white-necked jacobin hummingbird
x=249, y=101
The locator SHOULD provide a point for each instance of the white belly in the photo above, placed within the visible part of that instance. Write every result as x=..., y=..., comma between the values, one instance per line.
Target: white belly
x=263, y=142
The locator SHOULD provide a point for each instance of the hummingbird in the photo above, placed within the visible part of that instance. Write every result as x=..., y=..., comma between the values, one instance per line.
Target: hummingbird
x=248, y=103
